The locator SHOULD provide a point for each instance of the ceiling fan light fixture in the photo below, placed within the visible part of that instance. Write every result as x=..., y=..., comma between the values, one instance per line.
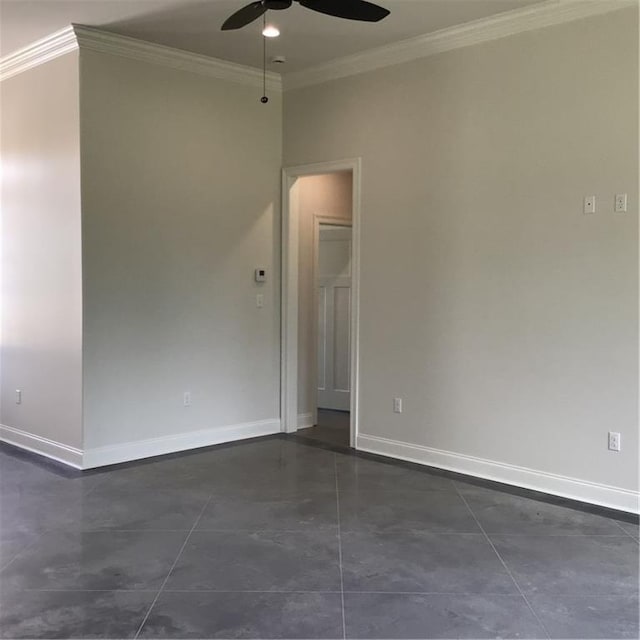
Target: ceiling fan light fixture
x=348, y=9
x=271, y=31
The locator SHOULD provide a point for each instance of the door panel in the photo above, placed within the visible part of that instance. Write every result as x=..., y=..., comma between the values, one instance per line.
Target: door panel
x=322, y=337
x=334, y=318
x=341, y=324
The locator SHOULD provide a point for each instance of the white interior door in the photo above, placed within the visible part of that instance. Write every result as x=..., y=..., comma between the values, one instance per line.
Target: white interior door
x=334, y=317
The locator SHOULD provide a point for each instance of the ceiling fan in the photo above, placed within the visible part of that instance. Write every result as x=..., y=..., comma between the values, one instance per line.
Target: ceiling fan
x=349, y=9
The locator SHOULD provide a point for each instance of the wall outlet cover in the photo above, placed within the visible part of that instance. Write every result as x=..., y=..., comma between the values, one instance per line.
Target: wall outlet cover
x=621, y=203
x=614, y=441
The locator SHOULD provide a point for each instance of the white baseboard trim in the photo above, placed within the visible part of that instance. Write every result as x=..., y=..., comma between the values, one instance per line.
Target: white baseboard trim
x=305, y=420
x=42, y=446
x=137, y=450
x=573, y=488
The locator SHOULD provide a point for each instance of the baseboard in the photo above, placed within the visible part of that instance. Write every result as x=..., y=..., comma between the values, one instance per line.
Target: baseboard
x=139, y=449
x=573, y=488
x=42, y=446
x=305, y=420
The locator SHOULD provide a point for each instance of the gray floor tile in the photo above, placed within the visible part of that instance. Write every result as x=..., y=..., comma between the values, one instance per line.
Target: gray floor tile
x=571, y=565
x=181, y=473
x=356, y=473
x=18, y=472
x=13, y=543
x=282, y=455
x=245, y=615
x=75, y=614
x=509, y=514
x=240, y=467
x=131, y=507
x=103, y=560
x=260, y=561
x=435, y=616
x=33, y=508
x=301, y=471
x=404, y=510
x=397, y=526
x=424, y=562
x=588, y=616
x=296, y=477
x=274, y=510
x=18, y=475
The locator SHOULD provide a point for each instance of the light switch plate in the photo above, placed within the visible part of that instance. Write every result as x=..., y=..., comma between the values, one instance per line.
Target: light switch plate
x=589, y=204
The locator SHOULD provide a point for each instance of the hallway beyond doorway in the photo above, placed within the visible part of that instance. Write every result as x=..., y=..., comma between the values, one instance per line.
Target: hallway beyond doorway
x=332, y=428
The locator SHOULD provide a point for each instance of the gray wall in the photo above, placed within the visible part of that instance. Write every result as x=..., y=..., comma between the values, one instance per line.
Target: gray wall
x=41, y=257
x=180, y=204
x=505, y=318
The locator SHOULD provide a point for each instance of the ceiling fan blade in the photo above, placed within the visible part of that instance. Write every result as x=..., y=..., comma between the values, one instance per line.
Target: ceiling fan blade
x=244, y=16
x=349, y=9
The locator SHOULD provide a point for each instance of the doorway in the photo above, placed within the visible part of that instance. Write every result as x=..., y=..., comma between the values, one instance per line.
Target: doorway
x=320, y=268
x=332, y=312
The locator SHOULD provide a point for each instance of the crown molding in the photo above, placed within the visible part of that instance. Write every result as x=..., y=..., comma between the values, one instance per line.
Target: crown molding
x=546, y=14
x=552, y=12
x=81, y=37
x=111, y=43
x=53, y=46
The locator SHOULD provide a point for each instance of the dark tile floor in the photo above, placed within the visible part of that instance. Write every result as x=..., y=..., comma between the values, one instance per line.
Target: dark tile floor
x=333, y=428
x=274, y=538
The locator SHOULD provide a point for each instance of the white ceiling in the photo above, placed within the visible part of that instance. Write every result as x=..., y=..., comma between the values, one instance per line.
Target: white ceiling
x=308, y=38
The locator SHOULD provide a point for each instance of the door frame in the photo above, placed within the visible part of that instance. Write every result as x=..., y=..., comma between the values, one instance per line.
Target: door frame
x=319, y=219
x=289, y=298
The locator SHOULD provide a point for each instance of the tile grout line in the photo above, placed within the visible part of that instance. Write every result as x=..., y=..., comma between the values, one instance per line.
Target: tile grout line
x=335, y=471
x=626, y=533
x=270, y=591
x=504, y=564
x=207, y=530
x=39, y=537
x=330, y=527
x=175, y=562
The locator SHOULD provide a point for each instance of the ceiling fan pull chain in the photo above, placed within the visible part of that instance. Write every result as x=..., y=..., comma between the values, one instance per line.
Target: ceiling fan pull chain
x=264, y=98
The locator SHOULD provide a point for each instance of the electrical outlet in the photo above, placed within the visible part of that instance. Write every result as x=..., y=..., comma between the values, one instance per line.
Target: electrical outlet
x=614, y=441
x=18, y=396
x=187, y=398
x=397, y=405
x=621, y=203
